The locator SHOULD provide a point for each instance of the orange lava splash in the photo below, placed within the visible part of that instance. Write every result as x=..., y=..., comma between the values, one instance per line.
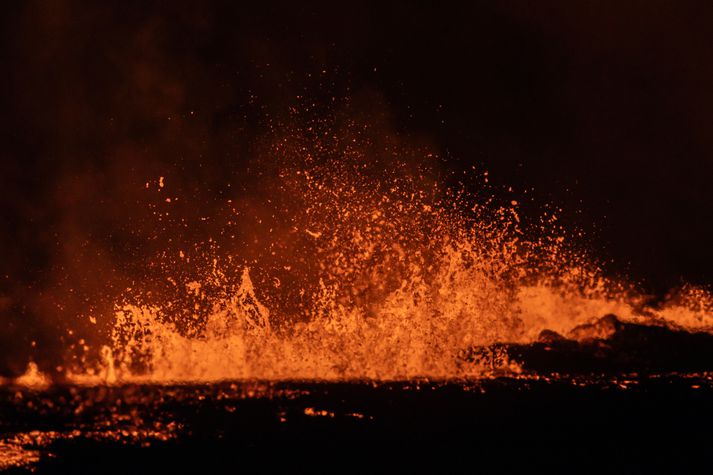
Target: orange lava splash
x=353, y=264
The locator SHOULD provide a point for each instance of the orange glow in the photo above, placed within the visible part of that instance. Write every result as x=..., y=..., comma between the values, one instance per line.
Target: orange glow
x=353, y=267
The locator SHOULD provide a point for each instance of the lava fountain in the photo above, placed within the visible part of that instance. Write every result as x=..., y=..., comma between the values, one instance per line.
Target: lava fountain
x=344, y=287
x=346, y=258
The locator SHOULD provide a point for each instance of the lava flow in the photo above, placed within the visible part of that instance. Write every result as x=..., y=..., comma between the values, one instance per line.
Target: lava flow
x=346, y=259
x=343, y=264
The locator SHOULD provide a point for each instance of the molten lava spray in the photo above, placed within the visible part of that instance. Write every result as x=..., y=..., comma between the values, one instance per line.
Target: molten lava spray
x=341, y=255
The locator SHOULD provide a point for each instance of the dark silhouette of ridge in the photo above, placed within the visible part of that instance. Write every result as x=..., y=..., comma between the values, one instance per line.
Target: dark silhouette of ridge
x=610, y=346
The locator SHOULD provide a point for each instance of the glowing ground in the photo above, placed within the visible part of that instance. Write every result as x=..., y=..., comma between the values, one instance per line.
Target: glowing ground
x=531, y=423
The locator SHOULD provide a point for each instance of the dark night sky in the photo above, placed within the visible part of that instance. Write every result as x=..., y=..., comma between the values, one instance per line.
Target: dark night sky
x=604, y=108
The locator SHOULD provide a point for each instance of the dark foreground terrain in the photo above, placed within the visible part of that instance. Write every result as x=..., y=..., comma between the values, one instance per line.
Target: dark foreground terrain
x=617, y=424
x=609, y=397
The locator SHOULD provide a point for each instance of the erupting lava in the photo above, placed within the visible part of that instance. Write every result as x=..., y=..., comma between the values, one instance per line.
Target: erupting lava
x=348, y=264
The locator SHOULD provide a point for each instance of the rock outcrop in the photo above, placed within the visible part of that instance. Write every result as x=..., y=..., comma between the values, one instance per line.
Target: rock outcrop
x=612, y=346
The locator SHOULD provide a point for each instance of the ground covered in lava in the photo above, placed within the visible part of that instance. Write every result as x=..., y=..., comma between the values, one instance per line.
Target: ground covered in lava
x=610, y=399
